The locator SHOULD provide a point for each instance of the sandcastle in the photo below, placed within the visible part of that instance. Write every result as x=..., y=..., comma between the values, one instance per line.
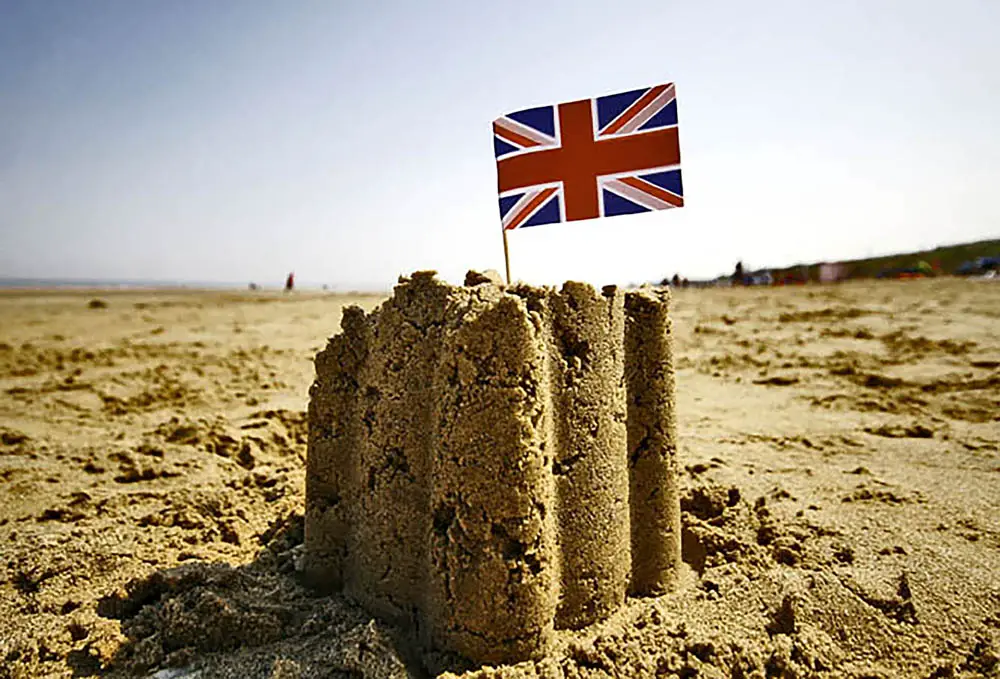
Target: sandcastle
x=490, y=464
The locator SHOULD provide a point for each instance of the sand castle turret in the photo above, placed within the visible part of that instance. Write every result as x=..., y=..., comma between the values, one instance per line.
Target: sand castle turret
x=493, y=464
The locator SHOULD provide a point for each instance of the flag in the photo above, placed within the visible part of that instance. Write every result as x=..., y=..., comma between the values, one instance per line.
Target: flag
x=591, y=158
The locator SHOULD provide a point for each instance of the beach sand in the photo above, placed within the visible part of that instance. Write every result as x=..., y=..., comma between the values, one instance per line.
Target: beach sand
x=841, y=493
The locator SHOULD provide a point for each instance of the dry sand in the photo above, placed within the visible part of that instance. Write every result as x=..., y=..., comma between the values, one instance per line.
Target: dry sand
x=841, y=495
x=490, y=464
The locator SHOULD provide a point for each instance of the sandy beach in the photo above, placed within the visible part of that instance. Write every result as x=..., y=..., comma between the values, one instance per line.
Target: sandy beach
x=841, y=493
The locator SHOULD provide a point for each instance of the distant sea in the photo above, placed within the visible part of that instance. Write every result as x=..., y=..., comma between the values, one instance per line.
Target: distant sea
x=136, y=284
x=101, y=284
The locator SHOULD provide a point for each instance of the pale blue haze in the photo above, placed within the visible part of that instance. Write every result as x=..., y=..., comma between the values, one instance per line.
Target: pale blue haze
x=236, y=140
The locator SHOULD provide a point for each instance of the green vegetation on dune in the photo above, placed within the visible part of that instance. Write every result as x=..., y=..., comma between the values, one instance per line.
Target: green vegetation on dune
x=945, y=259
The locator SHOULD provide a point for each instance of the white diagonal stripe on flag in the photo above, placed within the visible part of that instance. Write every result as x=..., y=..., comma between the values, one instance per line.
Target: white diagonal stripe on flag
x=515, y=211
x=524, y=131
x=643, y=116
x=636, y=195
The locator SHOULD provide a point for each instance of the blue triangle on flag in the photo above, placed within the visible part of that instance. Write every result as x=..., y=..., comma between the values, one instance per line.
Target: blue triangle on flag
x=502, y=148
x=616, y=205
x=666, y=116
x=669, y=180
x=542, y=119
x=549, y=214
x=613, y=105
x=507, y=202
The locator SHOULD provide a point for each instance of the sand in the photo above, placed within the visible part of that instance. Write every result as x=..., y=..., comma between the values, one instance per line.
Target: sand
x=471, y=454
x=840, y=492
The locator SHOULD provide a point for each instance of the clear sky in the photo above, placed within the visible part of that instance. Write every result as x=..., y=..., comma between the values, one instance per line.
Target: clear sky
x=235, y=140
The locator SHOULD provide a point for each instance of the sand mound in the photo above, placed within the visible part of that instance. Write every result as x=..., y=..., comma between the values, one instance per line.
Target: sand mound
x=489, y=464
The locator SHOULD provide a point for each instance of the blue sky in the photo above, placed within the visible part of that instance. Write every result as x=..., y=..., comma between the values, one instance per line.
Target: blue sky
x=235, y=140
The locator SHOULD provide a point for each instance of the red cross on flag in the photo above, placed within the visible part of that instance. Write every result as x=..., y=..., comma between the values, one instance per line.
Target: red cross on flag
x=597, y=157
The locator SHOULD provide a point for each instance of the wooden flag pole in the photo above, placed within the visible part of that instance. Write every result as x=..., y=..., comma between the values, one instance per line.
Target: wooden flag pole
x=506, y=253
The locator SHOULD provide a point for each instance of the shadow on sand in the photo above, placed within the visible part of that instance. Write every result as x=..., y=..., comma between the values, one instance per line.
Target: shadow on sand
x=206, y=619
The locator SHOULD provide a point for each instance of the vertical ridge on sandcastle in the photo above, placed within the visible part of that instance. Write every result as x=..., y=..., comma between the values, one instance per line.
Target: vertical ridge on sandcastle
x=492, y=464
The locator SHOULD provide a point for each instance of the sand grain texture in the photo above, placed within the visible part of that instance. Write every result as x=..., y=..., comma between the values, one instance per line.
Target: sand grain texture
x=470, y=461
x=839, y=464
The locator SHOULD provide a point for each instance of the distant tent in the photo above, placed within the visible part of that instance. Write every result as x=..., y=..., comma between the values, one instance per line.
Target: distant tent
x=831, y=272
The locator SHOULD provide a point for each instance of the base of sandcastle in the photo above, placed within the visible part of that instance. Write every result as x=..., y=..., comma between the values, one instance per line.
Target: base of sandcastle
x=490, y=464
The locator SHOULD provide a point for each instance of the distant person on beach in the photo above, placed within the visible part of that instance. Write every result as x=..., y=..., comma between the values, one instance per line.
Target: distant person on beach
x=738, y=277
x=290, y=282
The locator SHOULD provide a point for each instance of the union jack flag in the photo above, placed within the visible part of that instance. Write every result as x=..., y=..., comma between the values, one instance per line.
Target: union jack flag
x=598, y=157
